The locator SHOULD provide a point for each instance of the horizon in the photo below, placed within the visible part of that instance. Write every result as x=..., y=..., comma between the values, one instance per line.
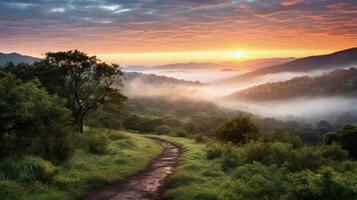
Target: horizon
x=162, y=32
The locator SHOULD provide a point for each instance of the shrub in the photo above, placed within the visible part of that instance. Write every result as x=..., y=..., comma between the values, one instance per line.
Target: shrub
x=281, y=136
x=213, y=151
x=254, y=151
x=334, y=152
x=182, y=133
x=97, y=142
x=255, y=182
x=307, y=157
x=325, y=184
x=200, y=138
x=163, y=130
x=231, y=158
x=348, y=139
x=27, y=169
x=279, y=153
x=9, y=190
x=330, y=137
x=238, y=130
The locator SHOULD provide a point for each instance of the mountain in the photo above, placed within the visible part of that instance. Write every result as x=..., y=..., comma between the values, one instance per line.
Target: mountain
x=152, y=79
x=340, y=82
x=16, y=58
x=341, y=59
x=239, y=65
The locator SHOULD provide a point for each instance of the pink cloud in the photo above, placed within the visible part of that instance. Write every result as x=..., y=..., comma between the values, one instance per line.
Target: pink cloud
x=290, y=2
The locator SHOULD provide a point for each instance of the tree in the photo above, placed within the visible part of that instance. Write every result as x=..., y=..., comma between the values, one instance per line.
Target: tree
x=31, y=120
x=348, y=139
x=330, y=138
x=163, y=130
x=238, y=130
x=84, y=82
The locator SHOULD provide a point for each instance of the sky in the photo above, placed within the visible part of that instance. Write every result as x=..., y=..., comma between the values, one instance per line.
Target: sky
x=165, y=31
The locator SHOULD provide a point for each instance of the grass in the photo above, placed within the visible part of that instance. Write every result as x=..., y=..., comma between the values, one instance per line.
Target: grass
x=195, y=177
x=129, y=153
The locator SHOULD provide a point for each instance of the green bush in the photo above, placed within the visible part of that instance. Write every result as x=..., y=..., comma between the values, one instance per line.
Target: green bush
x=97, y=141
x=27, y=169
x=200, y=138
x=255, y=182
x=330, y=137
x=182, y=133
x=307, y=157
x=10, y=190
x=231, y=158
x=348, y=139
x=238, y=130
x=281, y=136
x=255, y=151
x=163, y=130
x=213, y=151
x=334, y=152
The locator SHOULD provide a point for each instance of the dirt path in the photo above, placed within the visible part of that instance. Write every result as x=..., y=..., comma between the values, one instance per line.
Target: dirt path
x=148, y=184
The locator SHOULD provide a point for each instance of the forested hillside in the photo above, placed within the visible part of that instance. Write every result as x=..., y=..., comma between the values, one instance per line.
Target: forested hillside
x=335, y=83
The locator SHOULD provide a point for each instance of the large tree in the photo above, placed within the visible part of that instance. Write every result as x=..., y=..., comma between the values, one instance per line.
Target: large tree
x=83, y=82
x=31, y=120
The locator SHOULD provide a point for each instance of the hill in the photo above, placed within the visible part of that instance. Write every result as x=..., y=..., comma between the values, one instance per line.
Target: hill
x=153, y=79
x=341, y=59
x=239, y=65
x=336, y=83
x=16, y=58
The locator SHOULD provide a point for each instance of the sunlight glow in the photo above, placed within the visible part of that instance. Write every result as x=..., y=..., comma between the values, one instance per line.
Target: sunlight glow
x=238, y=55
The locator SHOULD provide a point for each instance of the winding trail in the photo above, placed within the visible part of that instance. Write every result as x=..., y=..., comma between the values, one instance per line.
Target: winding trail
x=148, y=184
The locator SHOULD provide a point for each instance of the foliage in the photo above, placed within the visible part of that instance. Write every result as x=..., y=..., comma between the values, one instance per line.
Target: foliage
x=213, y=151
x=285, y=172
x=27, y=169
x=330, y=137
x=143, y=123
x=238, y=130
x=83, y=81
x=335, y=83
x=10, y=190
x=348, y=139
x=163, y=129
x=97, y=141
x=32, y=121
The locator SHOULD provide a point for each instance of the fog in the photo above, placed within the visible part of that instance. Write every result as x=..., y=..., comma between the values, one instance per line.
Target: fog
x=204, y=76
x=311, y=108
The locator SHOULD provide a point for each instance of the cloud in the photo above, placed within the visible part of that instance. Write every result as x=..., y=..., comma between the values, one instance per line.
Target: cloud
x=168, y=25
x=291, y=2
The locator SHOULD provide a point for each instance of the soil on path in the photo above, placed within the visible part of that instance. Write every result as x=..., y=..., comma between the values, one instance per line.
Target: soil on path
x=148, y=184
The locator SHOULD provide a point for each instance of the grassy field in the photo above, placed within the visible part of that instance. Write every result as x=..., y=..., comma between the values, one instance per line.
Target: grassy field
x=129, y=153
x=195, y=177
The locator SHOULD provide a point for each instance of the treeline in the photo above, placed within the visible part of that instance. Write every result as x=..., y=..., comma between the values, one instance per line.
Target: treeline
x=335, y=83
x=43, y=105
x=188, y=117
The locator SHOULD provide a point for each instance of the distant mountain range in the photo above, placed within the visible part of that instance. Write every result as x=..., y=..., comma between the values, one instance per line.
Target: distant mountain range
x=16, y=58
x=153, y=79
x=340, y=82
x=239, y=65
x=341, y=59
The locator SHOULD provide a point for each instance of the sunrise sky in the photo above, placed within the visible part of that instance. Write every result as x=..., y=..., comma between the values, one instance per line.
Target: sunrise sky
x=164, y=31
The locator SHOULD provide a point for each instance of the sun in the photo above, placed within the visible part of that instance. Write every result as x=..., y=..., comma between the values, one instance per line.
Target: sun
x=238, y=54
